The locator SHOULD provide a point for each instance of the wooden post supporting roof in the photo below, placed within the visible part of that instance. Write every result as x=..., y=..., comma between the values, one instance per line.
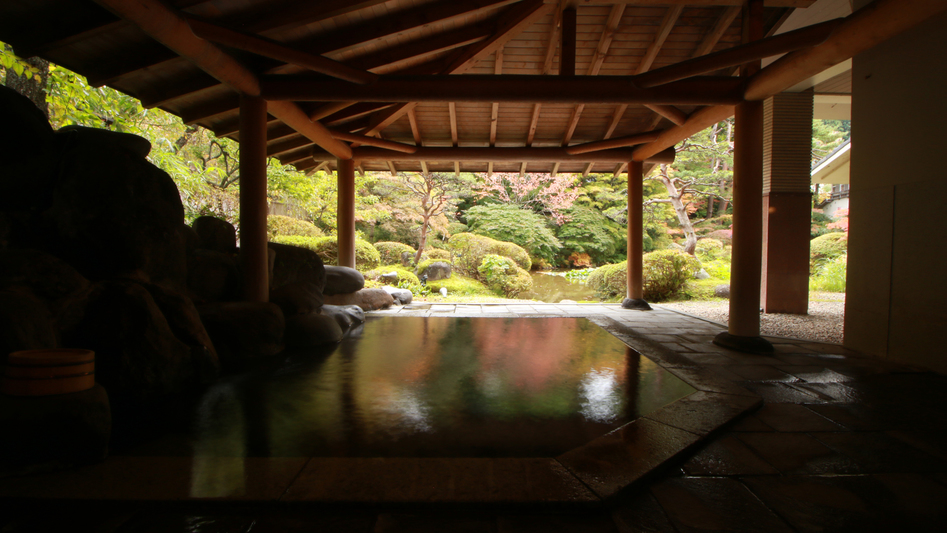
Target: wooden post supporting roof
x=253, y=237
x=345, y=216
x=634, y=270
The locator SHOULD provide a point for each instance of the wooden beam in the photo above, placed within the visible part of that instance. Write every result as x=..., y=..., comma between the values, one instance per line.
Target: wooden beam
x=416, y=133
x=704, y=90
x=354, y=112
x=452, y=112
x=619, y=142
x=253, y=248
x=705, y=3
x=495, y=108
x=860, y=31
x=374, y=141
x=497, y=155
x=696, y=122
x=555, y=169
x=280, y=52
x=329, y=109
x=522, y=169
x=667, y=24
x=720, y=27
x=283, y=147
x=553, y=42
x=533, y=122
x=168, y=28
x=509, y=26
x=671, y=113
x=731, y=57
x=567, y=48
x=391, y=168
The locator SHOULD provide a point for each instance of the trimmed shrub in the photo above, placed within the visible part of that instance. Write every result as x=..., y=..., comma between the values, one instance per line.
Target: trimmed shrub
x=457, y=227
x=665, y=273
x=832, y=276
x=280, y=225
x=508, y=223
x=825, y=248
x=709, y=249
x=610, y=280
x=390, y=252
x=458, y=285
x=406, y=278
x=366, y=256
x=435, y=254
x=469, y=250
x=501, y=274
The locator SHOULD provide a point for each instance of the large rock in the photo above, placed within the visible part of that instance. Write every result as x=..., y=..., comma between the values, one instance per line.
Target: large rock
x=436, y=270
x=347, y=316
x=722, y=291
x=243, y=330
x=53, y=432
x=216, y=234
x=311, y=330
x=113, y=214
x=46, y=277
x=401, y=296
x=367, y=299
x=341, y=280
x=212, y=276
x=297, y=298
x=292, y=264
x=185, y=322
x=139, y=358
x=25, y=324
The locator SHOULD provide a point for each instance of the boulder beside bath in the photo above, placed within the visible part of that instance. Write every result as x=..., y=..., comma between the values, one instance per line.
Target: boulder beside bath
x=367, y=299
x=342, y=280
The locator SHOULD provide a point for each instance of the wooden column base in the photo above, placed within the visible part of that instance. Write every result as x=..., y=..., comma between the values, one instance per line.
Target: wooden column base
x=757, y=345
x=635, y=303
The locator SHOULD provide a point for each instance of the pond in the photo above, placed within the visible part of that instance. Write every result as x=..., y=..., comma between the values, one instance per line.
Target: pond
x=438, y=387
x=553, y=287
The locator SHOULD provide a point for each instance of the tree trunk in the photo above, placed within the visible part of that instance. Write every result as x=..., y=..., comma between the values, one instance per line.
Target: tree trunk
x=690, y=244
x=29, y=86
x=422, y=241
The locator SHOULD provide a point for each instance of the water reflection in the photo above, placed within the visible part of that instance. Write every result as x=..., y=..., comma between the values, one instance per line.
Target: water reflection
x=438, y=387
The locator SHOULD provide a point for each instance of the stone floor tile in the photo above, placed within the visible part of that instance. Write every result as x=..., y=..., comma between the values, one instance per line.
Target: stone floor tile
x=790, y=417
x=761, y=373
x=434, y=523
x=833, y=392
x=180, y=521
x=877, y=452
x=816, y=503
x=782, y=393
x=790, y=347
x=639, y=512
x=932, y=442
x=709, y=381
x=74, y=517
x=599, y=522
x=798, y=454
x=710, y=358
x=727, y=456
x=662, y=337
x=815, y=374
x=703, y=412
x=856, y=417
x=749, y=423
x=714, y=504
x=918, y=499
x=290, y=520
x=614, y=461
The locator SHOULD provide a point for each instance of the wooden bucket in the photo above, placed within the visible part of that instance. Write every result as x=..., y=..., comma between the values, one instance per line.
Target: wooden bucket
x=48, y=372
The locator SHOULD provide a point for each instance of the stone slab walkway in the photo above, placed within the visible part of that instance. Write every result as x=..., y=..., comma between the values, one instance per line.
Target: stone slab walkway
x=833, y=442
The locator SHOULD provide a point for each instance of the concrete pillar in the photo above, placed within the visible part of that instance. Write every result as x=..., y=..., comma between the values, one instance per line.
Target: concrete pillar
x=253, y=249
x=787, y=202
x=345, y=216
x=634, y=273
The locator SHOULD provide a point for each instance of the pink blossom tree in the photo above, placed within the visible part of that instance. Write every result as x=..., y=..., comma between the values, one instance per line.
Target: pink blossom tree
x=551, y=195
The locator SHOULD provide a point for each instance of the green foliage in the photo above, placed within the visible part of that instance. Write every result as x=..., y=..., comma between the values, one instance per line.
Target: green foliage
x=700, y=289
x=280, y=225
x=825, y=248
x=459, y=285
x=579, y=275
x=436, y=254
x=469, y=250
x=718, y=269
x=588, y=231
x=710, y=249
x=501, y=274
x=609, y=281
x=366, y=256
x=832, y=276
x=390, y=252
x=821, y=224
x=666, y=272
x=512, y=224
x=406, y=278
x=457, y=227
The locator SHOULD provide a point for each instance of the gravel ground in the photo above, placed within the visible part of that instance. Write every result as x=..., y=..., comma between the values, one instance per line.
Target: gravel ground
x=823, y=323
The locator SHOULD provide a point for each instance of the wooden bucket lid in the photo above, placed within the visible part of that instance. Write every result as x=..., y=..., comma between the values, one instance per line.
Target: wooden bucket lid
x=51, y=357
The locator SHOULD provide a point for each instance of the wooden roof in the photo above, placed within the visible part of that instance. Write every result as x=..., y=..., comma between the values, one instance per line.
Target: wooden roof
x=425, y=39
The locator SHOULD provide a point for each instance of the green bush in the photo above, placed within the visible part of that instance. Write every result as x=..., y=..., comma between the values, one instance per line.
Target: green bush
x=666, y=272
x=457, y=227
x=825, y=248
x=280, y=225
x=458, y=285
x=436, y=254
x=469, y=250
x=832, y=276
x=590, y=232
x=719, y=269
x=406, y=278
x=709, y=249
x=522, y=227
x=610, y=280
x=501, y=274
x=390, y=252
x=366, y=256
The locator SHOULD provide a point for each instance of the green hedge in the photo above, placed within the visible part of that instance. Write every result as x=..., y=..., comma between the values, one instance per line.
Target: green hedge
x=502, y=274
x=469, y=250
x=825, y=248
x=459, y=285
x=390, y=252
x=665, y=273
x=366, y=256
x=280, y=225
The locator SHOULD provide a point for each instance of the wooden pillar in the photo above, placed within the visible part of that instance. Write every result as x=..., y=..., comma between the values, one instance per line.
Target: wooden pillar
x=346, y=212
x=567, y=47
x=635, y=296
x=743, y=331
x=253, y=248
x=787, y=202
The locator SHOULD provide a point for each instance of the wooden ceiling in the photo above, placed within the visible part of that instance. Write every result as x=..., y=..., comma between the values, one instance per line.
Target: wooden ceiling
x=425, y=44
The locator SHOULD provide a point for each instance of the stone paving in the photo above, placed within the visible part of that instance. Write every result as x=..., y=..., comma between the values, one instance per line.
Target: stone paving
x=839, y=442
